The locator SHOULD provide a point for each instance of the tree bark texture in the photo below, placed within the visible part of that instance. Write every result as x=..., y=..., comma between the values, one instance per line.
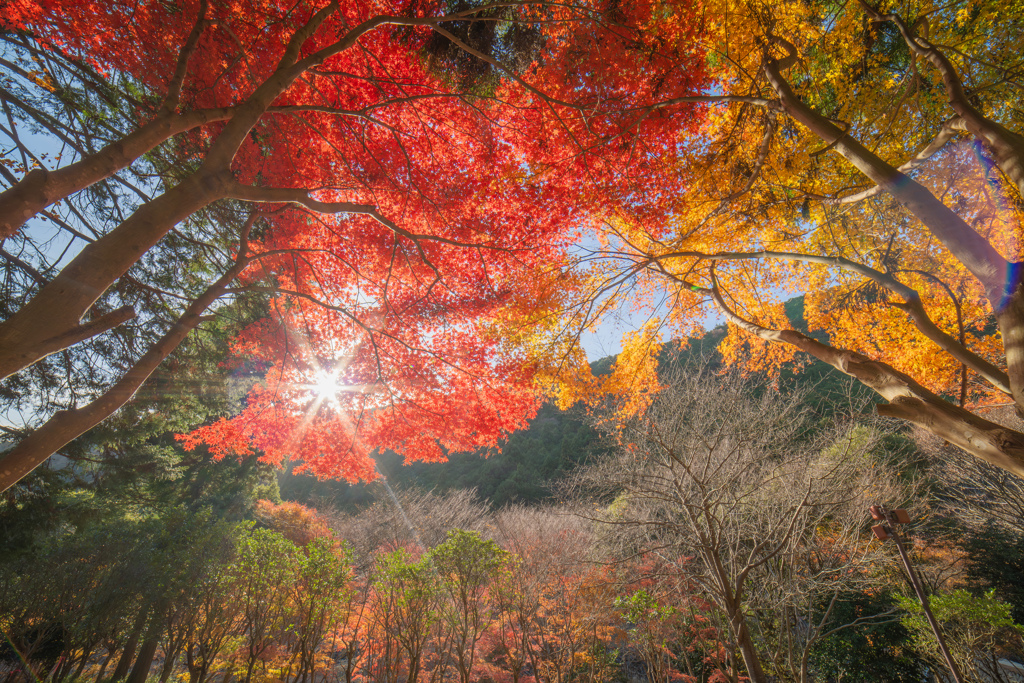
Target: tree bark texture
x=1000, y=278
x=908, y=400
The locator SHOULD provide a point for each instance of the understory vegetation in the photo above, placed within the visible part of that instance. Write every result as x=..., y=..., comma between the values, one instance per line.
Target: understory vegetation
x=725, y=530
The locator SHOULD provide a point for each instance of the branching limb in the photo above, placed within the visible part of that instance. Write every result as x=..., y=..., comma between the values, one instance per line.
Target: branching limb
x=949, y=130
x=170, y=103
x=912, y=304
x=970, y=248
x=908, y=400
x=1007, y=147
x=41, y=188
x=65, y=426
x=88, y=330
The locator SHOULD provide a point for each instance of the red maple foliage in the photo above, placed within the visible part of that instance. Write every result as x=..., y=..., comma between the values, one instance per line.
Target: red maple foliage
x=406, y=214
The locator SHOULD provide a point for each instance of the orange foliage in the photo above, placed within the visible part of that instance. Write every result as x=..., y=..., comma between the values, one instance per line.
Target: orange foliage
x=296, y=522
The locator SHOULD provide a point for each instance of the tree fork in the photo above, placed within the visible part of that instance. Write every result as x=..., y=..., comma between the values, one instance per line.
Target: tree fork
x=55, y=311
x=59, y=306
x=912, y=304
x=1000, y=278
x=969, y=247
x=1007, y=147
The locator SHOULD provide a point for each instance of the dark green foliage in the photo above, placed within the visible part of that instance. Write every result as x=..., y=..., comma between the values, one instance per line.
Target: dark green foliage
x=31, y=507
x=995, y=558
x=868, y=652
x=501, y=37
x=521, y=471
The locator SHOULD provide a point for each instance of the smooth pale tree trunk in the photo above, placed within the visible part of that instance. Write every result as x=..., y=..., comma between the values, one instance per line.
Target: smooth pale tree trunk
x=57, y=315
x=52, y=319
x=1003, y=281
x=42, y=188
x=1006, y=146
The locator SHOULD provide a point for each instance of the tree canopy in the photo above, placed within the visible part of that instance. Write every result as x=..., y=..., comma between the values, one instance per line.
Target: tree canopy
x=404, y=187
x=395, y=179
x=866, y=157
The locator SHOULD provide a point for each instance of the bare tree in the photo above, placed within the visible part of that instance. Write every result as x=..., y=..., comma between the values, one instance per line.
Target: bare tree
x=725, y=480
x=402, y=517
x=976, y=493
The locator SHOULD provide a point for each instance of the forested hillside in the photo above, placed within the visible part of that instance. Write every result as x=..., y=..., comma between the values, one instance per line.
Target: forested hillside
x=205, y=573
x=527, y=467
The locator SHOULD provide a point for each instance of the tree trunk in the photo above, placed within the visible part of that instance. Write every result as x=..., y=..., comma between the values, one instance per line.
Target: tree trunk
x=751, y=659
x=969, y=247
x=1002, y=280
x=125, y=662
x=168, y=667
x=196, y=672
x=51, y=320
x=103, y=666
x=81, y=666
x=144, y=662
x=1006, y=146
x=1010, y=316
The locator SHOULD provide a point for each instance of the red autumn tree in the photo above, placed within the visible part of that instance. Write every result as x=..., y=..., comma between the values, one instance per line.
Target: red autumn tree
x=402, y=175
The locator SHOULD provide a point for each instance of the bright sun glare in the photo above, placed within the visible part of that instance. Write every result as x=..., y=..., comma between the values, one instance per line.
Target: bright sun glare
x=327, y=386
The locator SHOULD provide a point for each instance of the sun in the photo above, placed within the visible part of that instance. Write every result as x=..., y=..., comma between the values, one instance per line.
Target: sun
x=326, y=385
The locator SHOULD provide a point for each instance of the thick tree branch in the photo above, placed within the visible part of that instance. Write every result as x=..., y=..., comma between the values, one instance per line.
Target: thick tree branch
x=908, y=400
x=56, y=310
x=912, y=303
x=41, y=188
x=170, y=103
x=1002, y=280
x=970, y=248
x=25, y=267
x=65, y=426
x=88, y=330
x=302, y=197
x=1007, y=147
